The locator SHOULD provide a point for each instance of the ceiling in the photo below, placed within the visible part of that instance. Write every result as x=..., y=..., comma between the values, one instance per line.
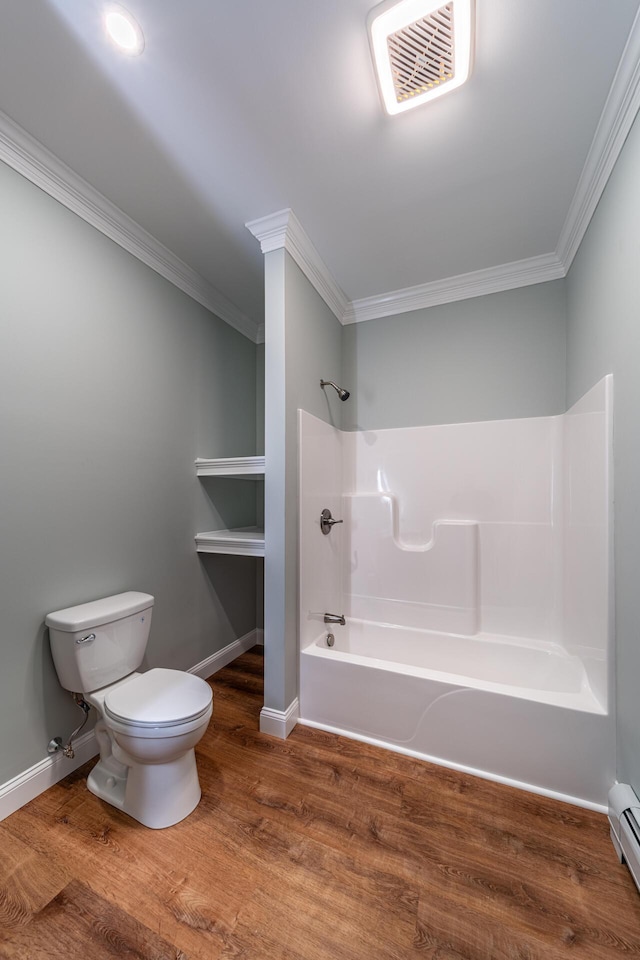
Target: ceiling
x=240, y=108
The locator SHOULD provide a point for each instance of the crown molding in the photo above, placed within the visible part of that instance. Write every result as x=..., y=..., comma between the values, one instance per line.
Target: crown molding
x=506, y=276
x=27, y=156
x=283, y=230
x=618, y=114
x=271, y=231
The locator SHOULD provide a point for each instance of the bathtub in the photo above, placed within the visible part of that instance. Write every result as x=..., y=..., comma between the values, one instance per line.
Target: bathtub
x=516, y=711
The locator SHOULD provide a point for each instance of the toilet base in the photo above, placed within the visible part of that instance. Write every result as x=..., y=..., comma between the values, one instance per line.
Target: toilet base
x=158, y=795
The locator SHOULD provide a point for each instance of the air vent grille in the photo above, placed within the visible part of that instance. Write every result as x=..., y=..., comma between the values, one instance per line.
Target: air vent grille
x=422, y=54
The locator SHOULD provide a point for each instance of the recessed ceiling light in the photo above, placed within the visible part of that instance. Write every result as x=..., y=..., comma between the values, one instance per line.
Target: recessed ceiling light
x=422, y=49
x=124, y=30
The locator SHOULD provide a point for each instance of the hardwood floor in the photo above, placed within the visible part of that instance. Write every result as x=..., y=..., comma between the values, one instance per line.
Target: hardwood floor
x=311, y=848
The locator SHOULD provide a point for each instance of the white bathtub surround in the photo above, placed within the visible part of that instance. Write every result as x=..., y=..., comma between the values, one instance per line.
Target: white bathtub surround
x=587, y=543
x=321, y=558
x=522, y=713
x=433, y=585
x=502, y=475
x=474, y=569
x=529, y=669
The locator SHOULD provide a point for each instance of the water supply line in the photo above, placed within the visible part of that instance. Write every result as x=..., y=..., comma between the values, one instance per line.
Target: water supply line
x=56, y=743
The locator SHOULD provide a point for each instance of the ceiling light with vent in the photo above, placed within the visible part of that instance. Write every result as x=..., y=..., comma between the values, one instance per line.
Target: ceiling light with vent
x=421, y=49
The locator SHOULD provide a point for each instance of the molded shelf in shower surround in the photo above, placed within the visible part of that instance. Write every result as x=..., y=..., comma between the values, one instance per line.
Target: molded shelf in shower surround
x=243, y=468
x=243, y=542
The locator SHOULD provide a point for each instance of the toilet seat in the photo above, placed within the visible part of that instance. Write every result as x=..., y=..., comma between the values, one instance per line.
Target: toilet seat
x=158, y=699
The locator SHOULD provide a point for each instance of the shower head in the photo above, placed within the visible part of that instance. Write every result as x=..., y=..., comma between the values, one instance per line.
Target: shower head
x=343, y=394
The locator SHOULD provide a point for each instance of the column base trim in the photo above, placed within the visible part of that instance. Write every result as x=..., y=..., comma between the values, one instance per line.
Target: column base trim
x=279, y=723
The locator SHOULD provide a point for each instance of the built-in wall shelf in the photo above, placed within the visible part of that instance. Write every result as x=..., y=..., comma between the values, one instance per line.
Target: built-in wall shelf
x=244, y=468
x=243, y=542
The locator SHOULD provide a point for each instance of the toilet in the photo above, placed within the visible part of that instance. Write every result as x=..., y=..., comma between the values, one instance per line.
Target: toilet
x=149, y=723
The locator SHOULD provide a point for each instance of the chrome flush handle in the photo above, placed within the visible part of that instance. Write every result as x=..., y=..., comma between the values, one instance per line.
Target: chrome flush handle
x=88, y=639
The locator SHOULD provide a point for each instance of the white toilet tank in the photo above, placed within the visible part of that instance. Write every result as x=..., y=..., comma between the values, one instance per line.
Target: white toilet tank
x=98, y=643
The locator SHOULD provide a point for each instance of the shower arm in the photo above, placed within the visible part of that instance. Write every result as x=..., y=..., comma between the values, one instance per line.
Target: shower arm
x=342, y=393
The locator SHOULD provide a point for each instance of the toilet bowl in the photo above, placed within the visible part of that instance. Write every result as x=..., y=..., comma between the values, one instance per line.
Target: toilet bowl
x=149, y=723
x=153, y=721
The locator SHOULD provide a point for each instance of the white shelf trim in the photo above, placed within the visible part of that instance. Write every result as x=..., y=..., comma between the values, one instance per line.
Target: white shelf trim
x=251, y=468
x=242, y=542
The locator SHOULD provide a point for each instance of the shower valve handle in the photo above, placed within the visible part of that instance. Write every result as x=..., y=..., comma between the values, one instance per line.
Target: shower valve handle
x=327, y=521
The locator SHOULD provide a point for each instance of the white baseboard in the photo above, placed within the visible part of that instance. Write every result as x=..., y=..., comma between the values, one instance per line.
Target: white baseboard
x=279, y=723
x=207, y=668
x=438, y=761
x=47, y=772
x=44, y=774
x=260, y=636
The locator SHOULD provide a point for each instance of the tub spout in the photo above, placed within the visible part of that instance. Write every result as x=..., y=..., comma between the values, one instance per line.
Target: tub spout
x=334, y=618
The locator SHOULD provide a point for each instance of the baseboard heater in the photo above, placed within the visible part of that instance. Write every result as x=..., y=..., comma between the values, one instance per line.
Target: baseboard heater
x=624, y=820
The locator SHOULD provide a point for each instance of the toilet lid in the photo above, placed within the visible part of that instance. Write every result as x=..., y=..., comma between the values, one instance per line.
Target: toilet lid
x=159, y=698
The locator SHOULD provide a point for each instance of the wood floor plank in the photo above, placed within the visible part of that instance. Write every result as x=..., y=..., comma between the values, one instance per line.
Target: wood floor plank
x=499, y=876
x=312, y=848
x=29, y=879
x=78, y=923
x=340, y=820
x=193, y=894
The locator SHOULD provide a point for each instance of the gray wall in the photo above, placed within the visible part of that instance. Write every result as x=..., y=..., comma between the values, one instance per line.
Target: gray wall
x=111, y=383
x=487, y=358
x=303, y=346
x=603, y=297
x=260, y=484
x=260, y=399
